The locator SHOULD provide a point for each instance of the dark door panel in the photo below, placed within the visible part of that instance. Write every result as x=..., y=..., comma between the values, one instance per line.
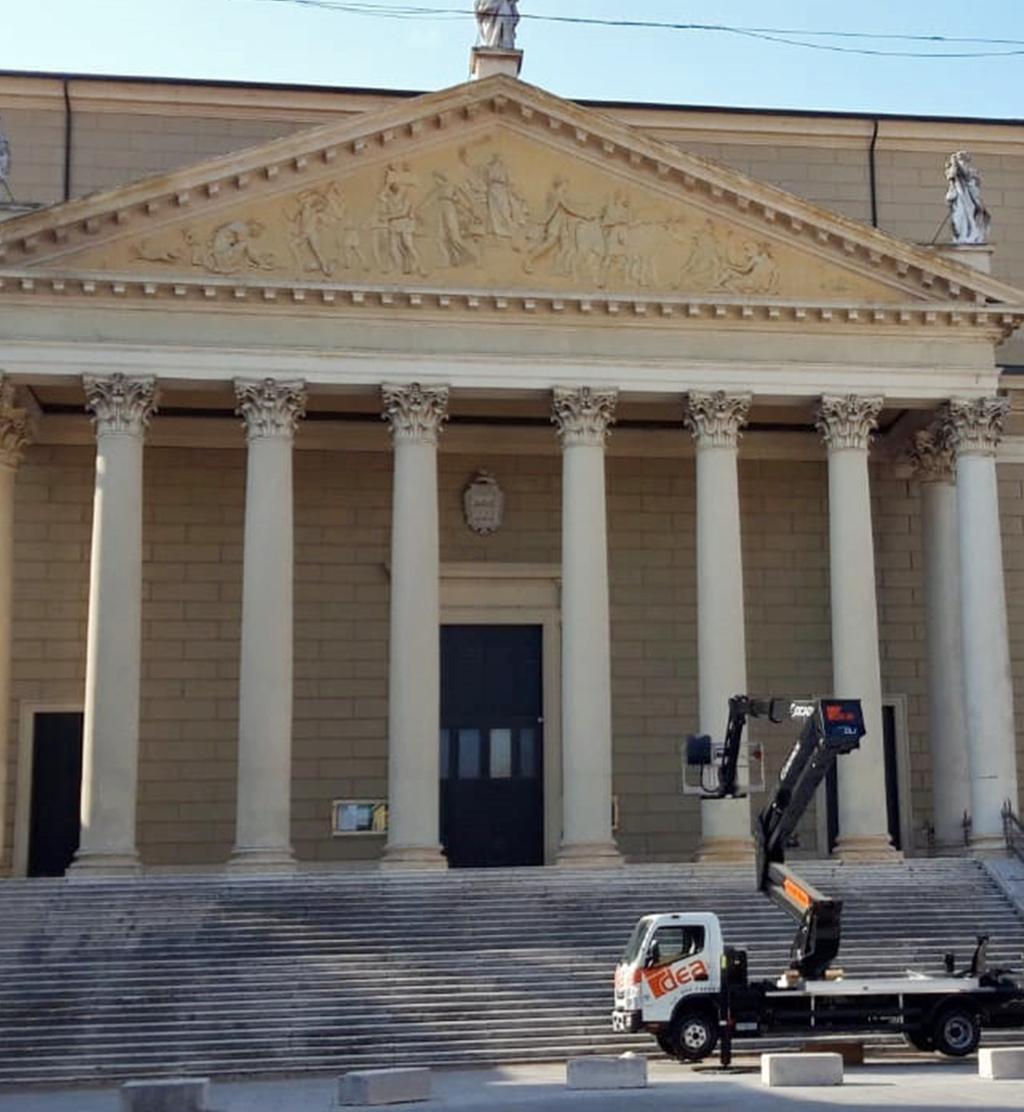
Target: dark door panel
x=55, y=825
x=492, y=794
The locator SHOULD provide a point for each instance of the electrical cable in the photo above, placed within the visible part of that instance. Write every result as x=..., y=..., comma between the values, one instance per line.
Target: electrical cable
x=782, y=36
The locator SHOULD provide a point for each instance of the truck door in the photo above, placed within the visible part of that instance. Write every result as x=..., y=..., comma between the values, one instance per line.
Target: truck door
x=677, y=964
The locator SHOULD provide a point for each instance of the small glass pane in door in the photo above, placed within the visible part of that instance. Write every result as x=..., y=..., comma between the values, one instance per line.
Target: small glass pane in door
x=501, y=754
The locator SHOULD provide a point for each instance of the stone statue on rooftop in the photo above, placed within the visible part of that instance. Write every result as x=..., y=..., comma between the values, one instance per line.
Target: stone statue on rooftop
x=497, y=20
x=967, y=213
x=5, y=166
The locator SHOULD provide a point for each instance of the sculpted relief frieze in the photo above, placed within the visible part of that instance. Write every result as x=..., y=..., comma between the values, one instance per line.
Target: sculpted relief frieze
x=500, y=212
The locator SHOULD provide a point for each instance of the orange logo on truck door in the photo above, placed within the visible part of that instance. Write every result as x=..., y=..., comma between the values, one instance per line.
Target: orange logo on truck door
x=665, y=980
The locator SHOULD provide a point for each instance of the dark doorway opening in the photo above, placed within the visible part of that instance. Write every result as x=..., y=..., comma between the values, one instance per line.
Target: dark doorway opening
x=55, y=822
x=890, y=759
x=492, y=751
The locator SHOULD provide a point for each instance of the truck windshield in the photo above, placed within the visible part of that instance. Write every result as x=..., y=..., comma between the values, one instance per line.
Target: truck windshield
x=632, y=950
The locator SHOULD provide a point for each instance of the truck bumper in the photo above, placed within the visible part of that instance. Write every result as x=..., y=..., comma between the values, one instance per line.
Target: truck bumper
x=626, y=1022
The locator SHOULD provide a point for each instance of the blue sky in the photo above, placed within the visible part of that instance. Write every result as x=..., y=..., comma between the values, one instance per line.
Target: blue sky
x=271, y=40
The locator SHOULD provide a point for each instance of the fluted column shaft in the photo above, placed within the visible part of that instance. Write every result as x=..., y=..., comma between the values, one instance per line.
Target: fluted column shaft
x=416, y=415
x=271, y=411
x=716, y=420
x=14, y=435
x=583, y=417
x=974, y=428
x=934, y=462
x=847, y=424
x=122, y=407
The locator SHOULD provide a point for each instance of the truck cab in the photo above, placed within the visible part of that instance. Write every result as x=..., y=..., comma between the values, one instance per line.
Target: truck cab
x=668, y=981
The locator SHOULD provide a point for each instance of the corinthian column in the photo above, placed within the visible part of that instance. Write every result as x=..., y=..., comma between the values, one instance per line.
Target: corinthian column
x=974, y=428
x=415, y=414
x=847, y=423
x=271, y=411
x=583, y=417
x=934, y=462
x=716, y=420
x=14, y=436
x=122, y=408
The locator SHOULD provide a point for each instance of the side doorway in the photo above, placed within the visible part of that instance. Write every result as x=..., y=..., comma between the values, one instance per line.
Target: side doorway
x=897, y=784
x=54, y=825
x=492, y=745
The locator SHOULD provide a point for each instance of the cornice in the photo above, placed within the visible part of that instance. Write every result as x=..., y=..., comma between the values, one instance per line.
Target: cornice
x=28, y=241
x=42, y=287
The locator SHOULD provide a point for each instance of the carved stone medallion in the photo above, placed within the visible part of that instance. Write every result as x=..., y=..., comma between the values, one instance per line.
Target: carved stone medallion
x=484, y=504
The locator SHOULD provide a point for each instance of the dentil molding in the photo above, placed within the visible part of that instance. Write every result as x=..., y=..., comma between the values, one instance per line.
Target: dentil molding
x=848, y=420
x=121, y=405
x=270, y=408
x=583, y=415
x=415, y=413
x=716, y=419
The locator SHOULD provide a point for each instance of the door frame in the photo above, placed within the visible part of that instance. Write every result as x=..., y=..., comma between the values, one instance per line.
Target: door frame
x=903, y=786
x=27, y=712
x=520, y=594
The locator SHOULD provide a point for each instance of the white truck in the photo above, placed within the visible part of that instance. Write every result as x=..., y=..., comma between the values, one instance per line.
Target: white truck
x=679, y=980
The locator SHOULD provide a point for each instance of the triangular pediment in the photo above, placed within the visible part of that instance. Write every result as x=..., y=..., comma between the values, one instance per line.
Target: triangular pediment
x=491, y=186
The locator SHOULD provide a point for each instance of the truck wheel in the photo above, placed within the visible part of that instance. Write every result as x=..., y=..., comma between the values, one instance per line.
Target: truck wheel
x=693, y=1036
x=957, y=1032
x=664, y=1040
x=920, y=1039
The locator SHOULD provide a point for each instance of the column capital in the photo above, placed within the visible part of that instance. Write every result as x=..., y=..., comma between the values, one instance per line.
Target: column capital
x=847, y=420
x=715, y=419
x=583, y=415
x=414, y=412
x=270, y=408
x=932, y=456
x=15, y=426
x=974, y=426
x=121, y=405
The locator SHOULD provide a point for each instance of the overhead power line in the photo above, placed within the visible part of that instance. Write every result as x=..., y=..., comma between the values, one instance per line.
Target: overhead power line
x=781, y=35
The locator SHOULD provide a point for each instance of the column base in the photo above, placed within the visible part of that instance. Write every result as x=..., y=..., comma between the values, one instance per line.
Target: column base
x=261, y=860
x=419, y=858
x=872, y=848
x=101, y=866
x=727, y=851
x=590, y=855
x=987, y=845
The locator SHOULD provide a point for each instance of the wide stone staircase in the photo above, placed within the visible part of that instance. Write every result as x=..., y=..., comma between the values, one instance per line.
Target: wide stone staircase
x=212, y=975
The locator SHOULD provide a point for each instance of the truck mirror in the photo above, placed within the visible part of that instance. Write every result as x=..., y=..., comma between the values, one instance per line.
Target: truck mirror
x=778, y=710
x=698, y=750
x=653, y=955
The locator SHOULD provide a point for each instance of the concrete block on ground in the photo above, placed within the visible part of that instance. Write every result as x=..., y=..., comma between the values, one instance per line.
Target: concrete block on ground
x=784, y=1070
x=852, y=1052
x=606, y=1073
x=170, y=1094
x=399, y=1086
x=1003, y=1063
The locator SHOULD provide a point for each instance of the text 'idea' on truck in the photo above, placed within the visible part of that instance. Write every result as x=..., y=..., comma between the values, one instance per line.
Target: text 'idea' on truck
x=680, y=981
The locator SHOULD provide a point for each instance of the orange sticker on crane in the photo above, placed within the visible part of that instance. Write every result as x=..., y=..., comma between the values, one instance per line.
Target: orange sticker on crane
x=794, y=890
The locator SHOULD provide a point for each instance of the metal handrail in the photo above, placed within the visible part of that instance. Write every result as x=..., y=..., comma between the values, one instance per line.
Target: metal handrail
x=1013, y=831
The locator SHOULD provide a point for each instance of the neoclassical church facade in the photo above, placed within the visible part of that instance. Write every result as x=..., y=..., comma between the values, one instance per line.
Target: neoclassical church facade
x=404, y=489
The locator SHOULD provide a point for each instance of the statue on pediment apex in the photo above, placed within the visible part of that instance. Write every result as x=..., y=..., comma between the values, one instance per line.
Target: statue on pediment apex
x=967, y=213
x=497, y=21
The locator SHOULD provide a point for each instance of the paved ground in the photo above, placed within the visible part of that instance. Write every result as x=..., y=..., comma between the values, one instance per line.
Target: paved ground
x=885, y=1084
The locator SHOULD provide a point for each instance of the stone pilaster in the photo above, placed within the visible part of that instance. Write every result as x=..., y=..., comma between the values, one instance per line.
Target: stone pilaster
x=415, y=414
x=847, y=423
x=15, y=434
x=583, y=417
x=974, y=428
x=716, y=420
x=934, y=462
x=122, y=407
x=271, y=411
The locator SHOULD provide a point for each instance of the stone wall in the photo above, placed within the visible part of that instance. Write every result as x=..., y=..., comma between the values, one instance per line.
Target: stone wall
x=192, y=583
